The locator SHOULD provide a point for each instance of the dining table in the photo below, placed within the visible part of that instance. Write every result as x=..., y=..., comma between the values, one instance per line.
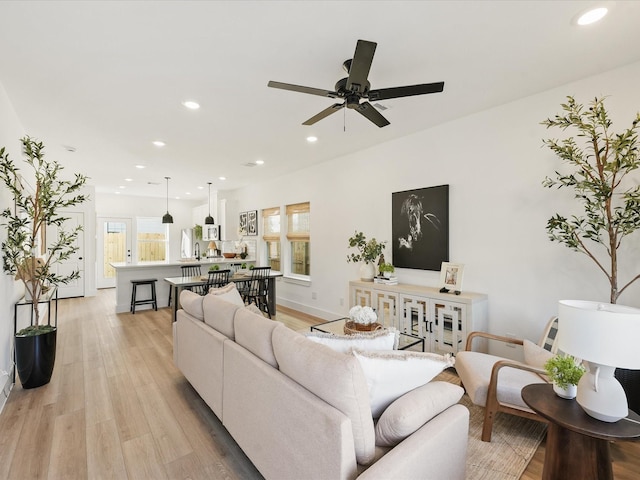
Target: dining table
x=180, y=283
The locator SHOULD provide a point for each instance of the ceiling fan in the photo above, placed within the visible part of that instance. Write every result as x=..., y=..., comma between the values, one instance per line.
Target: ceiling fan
x=356, y=87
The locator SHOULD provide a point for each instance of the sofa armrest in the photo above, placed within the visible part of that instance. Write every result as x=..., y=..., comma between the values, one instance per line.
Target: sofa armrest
x=434, y=452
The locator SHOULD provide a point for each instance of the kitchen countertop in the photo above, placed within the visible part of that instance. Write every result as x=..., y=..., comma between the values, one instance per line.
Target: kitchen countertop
x=176, y=263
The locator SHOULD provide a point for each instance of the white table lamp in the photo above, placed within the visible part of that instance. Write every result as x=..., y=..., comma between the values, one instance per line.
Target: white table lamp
x=607, y=337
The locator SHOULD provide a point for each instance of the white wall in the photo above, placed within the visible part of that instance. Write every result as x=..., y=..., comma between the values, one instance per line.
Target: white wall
x=10, y=291
x=123, y=206
x=494, y=163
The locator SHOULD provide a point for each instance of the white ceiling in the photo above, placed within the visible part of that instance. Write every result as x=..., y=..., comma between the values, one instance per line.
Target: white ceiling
x=108, y=78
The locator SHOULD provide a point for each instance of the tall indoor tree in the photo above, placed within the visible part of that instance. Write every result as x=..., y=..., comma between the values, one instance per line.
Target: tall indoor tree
x=603, y=164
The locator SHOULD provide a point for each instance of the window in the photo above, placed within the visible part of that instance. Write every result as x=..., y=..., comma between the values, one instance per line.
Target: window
x=298, y=235
x=271, y=236
x=152, y=240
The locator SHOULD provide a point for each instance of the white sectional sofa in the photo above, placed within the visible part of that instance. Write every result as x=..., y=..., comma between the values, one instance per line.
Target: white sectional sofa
x=300, y=410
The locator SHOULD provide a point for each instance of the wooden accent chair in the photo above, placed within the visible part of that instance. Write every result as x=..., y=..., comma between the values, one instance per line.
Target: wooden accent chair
x=496, y=383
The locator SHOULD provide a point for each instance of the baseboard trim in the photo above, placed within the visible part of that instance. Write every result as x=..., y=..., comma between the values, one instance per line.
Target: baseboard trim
x=6, y=384
x=306, y=309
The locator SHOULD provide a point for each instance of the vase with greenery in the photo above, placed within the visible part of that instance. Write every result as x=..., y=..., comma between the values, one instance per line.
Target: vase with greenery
x=367, y=253
x=601, y=163
x=565, y=373
x=28, y=254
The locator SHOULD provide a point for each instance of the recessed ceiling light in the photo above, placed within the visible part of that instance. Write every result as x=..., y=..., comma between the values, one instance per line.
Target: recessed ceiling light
x=122, y=186
x=200, y=187
x=191, y=105
x=312, y=139
x=591, y=16
x=128, y=179
x=222, y=178
x=117, y=192
x=159, y=143
x=140, y=166
x=187, y=193
x=259, y=162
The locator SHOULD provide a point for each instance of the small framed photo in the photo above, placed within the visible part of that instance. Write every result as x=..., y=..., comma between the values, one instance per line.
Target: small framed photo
x=451, y=276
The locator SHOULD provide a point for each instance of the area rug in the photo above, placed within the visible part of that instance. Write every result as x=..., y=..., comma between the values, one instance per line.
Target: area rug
x=513, y=442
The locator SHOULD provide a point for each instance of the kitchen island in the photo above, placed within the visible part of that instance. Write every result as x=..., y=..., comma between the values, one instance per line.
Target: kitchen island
x=125, y=272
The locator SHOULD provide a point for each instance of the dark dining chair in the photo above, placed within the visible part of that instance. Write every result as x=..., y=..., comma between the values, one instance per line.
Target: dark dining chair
x=217, y=279
x=257, y=289
x=190, y=271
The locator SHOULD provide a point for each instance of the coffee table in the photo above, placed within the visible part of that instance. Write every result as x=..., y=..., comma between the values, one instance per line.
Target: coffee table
x=336, y=327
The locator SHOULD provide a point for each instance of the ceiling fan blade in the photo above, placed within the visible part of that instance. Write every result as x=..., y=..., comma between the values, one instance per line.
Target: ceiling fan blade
x=324, y=113
x=369, y=111
x=408, y=91
x=301, y=89
x=360, y=66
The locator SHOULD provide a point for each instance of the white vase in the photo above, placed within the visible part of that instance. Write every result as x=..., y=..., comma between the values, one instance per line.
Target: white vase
x=570, y=392
x=367, y=272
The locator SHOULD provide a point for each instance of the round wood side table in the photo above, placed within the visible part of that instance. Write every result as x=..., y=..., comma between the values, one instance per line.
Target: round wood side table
x=577, y=444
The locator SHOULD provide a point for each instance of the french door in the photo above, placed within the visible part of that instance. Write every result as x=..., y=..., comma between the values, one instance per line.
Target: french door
x=113, y=246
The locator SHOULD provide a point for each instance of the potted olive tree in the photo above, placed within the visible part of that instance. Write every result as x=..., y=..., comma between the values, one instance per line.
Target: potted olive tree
x=367, y=252
x=603, y=164
x=29, y=256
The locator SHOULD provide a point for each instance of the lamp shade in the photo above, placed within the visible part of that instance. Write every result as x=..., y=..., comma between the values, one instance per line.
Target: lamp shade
x=212, y=245
x=602, y=333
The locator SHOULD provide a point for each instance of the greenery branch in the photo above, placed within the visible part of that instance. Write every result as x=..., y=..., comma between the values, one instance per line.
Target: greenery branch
x=368, y=251
x=601, y=167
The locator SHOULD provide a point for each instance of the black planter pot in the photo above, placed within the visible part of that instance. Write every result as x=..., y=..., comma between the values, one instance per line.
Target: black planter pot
x=35, y=358
x=630, y=381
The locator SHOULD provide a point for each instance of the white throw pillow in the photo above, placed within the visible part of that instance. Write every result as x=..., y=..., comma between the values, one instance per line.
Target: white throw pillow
x=228, y=293
x=412, y=410
x=384, y=339
x=535, y=355
x=392, y=374
x=192, y=304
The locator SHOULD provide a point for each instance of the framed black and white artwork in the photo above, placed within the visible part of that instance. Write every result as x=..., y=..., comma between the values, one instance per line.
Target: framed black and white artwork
x=420, y=228
x=242, y=223
x=252, y=222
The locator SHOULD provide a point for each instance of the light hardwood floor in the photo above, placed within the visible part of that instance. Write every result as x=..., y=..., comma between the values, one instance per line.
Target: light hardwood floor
x=117, y=408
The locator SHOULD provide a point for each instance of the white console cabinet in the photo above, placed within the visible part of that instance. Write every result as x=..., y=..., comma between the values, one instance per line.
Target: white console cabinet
x=442, y=319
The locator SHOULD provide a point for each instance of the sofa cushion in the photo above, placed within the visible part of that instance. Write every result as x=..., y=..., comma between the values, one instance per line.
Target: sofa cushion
x=253, y=332
x=380, y=340
x=192, y=304
x=535, y=355
x=334, y=377
x=392, y=374
x=219, y=314
x=412, y=410
x=229, y=293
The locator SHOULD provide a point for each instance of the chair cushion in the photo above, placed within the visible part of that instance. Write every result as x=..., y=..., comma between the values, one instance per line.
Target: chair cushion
x=335, y=378
x=384, y=339
x=474, y=369
x=391, y=374
x=412, y=410
x=535, y=355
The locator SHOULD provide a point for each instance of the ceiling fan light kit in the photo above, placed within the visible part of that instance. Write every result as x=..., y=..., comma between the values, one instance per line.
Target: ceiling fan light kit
x=355, y=90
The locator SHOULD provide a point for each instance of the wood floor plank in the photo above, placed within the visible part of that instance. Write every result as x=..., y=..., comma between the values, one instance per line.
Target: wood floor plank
x=170, y=439
x=127, y=410
x=69, y=447
x=98, y=399
x=105, y=459
x=142, y=460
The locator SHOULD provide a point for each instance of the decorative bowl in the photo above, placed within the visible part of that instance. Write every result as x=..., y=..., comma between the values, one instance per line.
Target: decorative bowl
x=229, y=255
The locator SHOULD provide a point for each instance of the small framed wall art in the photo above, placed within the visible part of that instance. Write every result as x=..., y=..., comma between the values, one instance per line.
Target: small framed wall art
x=451, y=277
x=252, y=222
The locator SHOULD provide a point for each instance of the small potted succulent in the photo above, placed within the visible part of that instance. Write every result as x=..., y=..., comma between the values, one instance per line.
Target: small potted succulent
x=565, y=373
x=386, y=269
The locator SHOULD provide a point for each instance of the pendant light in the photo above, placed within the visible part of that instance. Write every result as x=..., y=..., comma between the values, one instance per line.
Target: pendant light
x=167, y=218
x=209, y=219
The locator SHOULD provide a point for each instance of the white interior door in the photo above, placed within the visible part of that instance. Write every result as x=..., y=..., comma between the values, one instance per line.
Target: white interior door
x=113, y=245
x=75, y=288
